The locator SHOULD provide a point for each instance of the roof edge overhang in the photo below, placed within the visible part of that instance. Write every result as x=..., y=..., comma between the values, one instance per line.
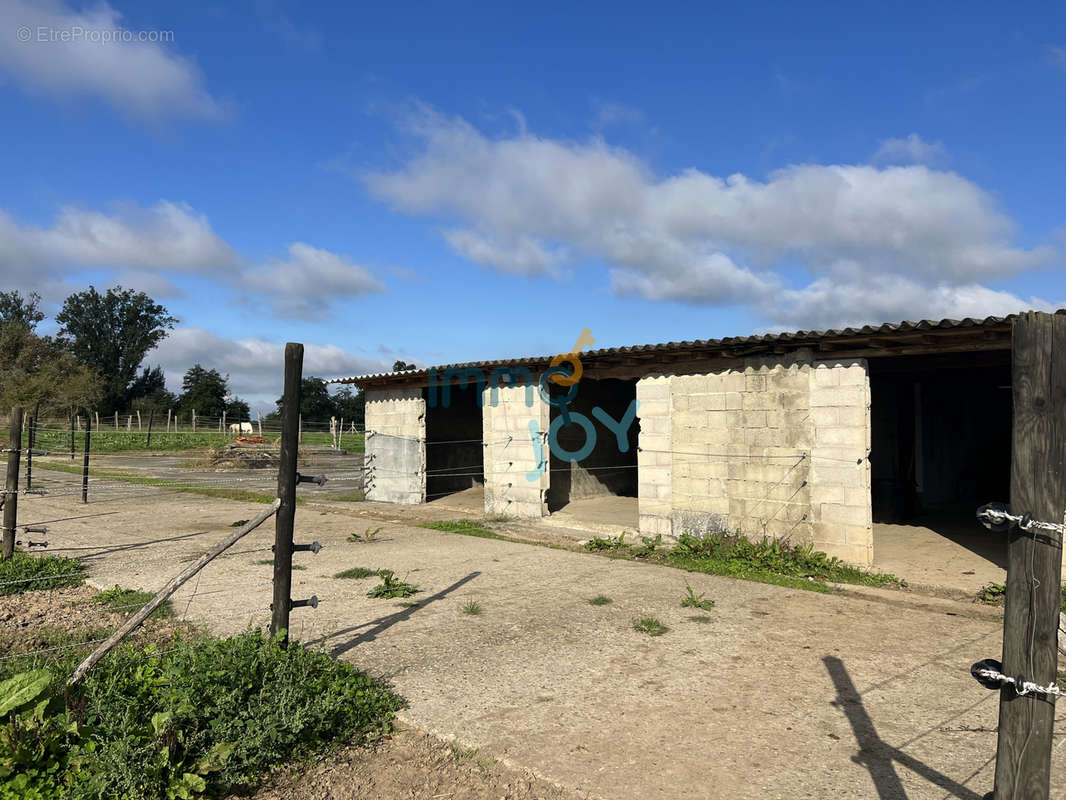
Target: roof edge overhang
x=891, y=339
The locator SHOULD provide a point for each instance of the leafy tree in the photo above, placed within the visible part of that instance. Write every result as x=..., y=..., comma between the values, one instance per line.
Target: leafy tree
x=22, y=310
x=350, y=406
x=35, y=369
x=237, y=410
x=402, y=366
x=112, y=333
x=149, y=391
x=204, y=391
x=315, y=401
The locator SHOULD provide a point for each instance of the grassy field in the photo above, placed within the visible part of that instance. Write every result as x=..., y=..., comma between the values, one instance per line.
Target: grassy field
x=108, y=440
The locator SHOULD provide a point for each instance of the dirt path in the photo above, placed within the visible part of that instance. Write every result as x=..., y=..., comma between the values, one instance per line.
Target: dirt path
x=783, y=694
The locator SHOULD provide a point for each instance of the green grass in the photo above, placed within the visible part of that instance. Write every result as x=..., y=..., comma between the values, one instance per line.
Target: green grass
x=357, y=573
x=270, y=561
x=204, y=716
x=128, y=601
x=650, y=626
x=467, y=527
x=600, y=600
x=472, y=608
x=24, y=573
x=243, y=495
x=109, y=440
x=343, y=497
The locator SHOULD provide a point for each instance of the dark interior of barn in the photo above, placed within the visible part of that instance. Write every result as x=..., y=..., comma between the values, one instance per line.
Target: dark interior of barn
x=941, y=443
x=606, y=471
x=454, y=454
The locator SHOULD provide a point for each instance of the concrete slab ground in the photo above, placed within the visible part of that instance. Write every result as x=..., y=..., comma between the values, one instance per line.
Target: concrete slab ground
x=942, y=553
x=781, y=694
x=609, y=514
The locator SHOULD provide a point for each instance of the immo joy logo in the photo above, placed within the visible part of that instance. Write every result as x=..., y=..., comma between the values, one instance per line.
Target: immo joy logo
x=439, y=394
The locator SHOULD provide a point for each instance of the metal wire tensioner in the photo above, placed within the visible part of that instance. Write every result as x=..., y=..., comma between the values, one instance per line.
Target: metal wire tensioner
x=987, y=673
x=997, y=517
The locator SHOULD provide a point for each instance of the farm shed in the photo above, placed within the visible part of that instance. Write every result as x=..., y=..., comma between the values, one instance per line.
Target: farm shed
x=820, y=437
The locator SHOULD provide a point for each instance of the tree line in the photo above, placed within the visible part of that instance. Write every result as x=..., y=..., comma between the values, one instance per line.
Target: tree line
x=96, y=361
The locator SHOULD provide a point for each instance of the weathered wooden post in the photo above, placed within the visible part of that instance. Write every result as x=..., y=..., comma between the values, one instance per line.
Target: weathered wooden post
x=194, y=420
x=1034, y=558
x=73, y=424
x=138, y=419
x=168, y=420
x=148, y=439
x=11, y=486
x=85, y=461
x=33, y=443
x=285, y=520
x=116, y=420
x=259, y=422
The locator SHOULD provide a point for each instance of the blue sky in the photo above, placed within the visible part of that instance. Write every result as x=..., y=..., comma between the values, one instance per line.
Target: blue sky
x=442, y=182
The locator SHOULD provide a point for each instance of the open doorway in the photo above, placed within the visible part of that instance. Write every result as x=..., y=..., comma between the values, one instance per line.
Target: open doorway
x=941, y=447
x=601, y=487
x=454, y=454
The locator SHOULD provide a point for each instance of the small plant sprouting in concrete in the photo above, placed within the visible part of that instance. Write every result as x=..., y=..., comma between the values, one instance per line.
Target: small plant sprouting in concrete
x=609, y=543
x=472, y=608
x=648, y=546
x=650, y=626
x=600, y=600
x=368, y=537
x=390, y=587
x=693, y=600
x=993, y=593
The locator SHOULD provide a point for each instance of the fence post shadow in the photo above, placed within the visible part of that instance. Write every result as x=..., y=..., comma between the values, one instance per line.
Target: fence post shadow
x=877, y=755
x=377, y=626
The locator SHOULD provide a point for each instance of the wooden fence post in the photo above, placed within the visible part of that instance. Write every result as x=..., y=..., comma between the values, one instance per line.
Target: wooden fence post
x=194, y=420
x=148, y=440
x=1034, y=559
x=259, y=422
x=73, y=424
x=85, y=461
x=168, y=420
x=11, y=487
x=33, y=443
x=285, y=520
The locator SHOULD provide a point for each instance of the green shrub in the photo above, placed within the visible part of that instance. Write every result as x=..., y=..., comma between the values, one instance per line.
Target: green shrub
x=23, y=573
x=615, y=543
x=206, y=716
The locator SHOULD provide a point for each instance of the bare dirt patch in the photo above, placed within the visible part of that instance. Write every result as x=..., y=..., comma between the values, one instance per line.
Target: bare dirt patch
x=410, y=764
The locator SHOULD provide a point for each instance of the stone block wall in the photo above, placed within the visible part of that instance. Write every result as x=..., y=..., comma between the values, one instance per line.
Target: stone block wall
x=395, y=445
x=516, y=457
x=777, y=448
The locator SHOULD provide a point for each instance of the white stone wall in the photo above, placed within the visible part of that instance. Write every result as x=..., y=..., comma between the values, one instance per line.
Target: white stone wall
x=395, y=445
x=775, y=449
x=516, y=469
x=654, y=460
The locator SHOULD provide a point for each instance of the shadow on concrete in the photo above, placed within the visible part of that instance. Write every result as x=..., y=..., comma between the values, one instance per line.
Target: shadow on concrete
x=119, y=548
x=878, y=756
x=382, y=624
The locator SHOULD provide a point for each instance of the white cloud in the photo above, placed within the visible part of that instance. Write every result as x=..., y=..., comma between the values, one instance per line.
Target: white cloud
x=306, y=283
x=911, y=150
x=167, y=236
x=145, y=78
x=255, y=365
x=526, y=204
x=147, y=247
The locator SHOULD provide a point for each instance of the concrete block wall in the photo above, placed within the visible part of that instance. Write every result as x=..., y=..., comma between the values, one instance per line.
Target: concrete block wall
x=777, y=448
x=395, y=445
x=841, y=511
x=654, y=460
x=516, y=467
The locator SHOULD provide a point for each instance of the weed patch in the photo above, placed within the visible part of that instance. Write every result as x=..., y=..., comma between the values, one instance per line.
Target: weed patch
x=612, y=543
x=600, y=600
x=693, y=600
x=650, y=626
x=127, y=601
x=472, y=608
x=206, y=716
x=25, y=573
x=390, y=587
x=356, y=573
x=368, y=537
x=467, y=527
x=993, y=593
x=270, y=561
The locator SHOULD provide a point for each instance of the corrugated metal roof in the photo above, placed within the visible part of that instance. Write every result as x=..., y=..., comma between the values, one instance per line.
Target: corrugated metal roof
x=727, y=343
